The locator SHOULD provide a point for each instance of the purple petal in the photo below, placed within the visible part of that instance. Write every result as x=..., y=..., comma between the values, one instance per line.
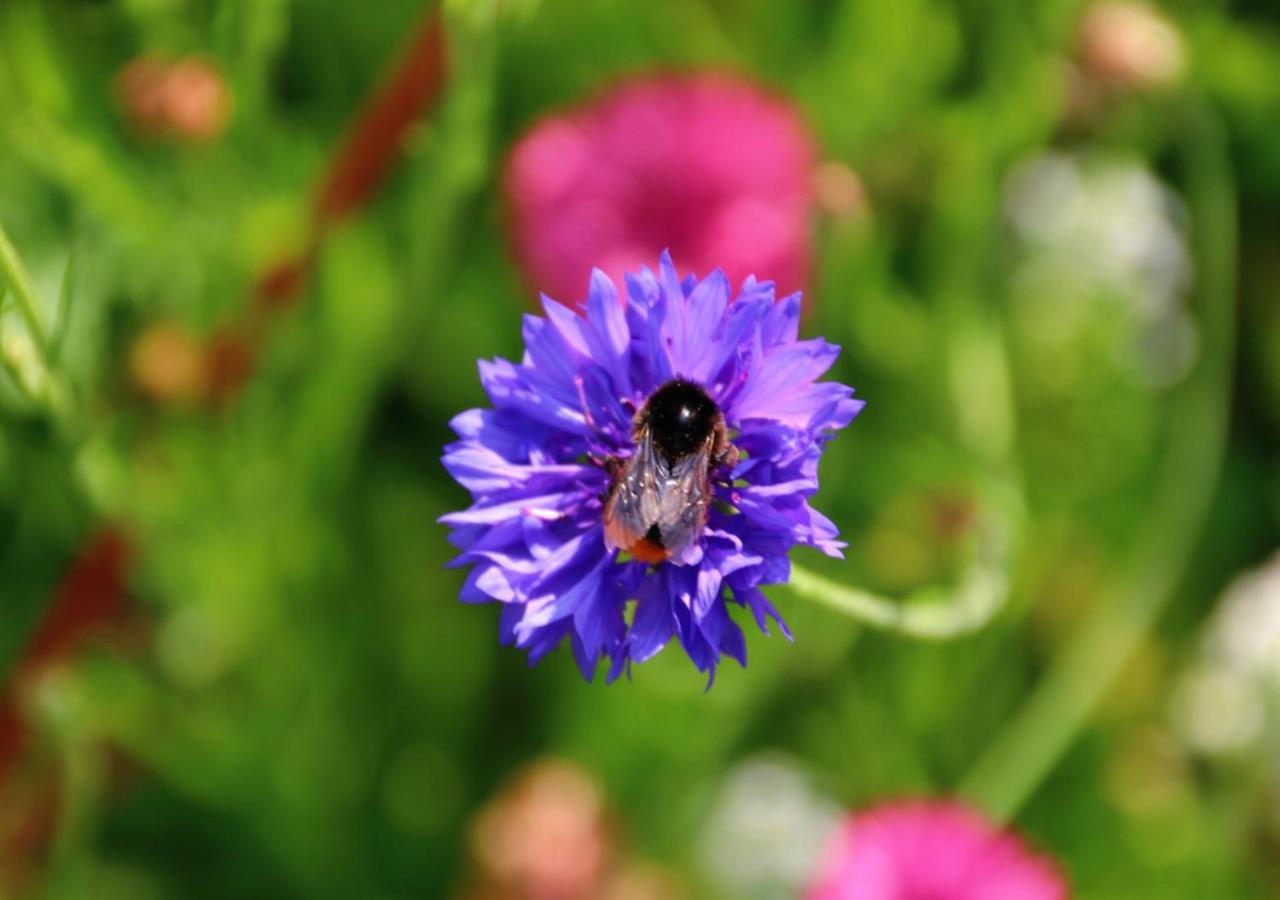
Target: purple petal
x=691, y=323
x=763, y=611
x=781, y=388
x=654, y=621
x=606, y=332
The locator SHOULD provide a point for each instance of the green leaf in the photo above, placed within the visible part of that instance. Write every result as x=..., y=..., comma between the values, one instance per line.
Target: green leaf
x=62, y=317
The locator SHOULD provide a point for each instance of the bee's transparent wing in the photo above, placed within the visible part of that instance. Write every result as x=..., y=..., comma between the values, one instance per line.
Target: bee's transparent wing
x=632, y=507
x=683, y=497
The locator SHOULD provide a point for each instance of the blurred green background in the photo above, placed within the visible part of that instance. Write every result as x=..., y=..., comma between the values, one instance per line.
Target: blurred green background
x=236, y=665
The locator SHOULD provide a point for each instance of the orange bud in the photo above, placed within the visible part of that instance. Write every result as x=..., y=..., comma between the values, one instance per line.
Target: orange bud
x=839, y=191
x=183, y=100
x=167, y=365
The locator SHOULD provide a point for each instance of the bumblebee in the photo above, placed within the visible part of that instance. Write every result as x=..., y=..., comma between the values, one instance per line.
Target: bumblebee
x=658, y=502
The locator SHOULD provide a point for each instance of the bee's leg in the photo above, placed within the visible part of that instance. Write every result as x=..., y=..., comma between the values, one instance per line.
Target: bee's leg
x=723, y=463
x=614, y=466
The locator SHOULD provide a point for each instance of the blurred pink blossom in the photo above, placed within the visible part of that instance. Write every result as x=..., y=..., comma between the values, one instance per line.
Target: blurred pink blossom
x=545, y=837
x=931, y=849
x=1130, y=46
x=183, y=99
x=709, y=166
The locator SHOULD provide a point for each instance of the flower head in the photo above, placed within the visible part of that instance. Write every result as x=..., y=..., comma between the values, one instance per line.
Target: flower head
x=764, y=833
x=551, y=835
x=547, y=835
x=167, y=363
x=939, y=850
x=1227, y=697
x=1093, y=232
x=707, y=165
x=686, y=419
x=1130, y=46
x=184, y=99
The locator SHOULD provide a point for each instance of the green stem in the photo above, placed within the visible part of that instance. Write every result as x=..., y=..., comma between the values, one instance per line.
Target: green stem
x=15, y=276
x=974, y=603
x=1037, y=736
x=931, y=613
x=979, y=378
x=29, y=364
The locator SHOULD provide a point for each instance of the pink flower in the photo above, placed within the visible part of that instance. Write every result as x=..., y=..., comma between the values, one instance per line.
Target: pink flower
x=547, y=836
x=183, y=99
x=931, y=850
x=707, y=166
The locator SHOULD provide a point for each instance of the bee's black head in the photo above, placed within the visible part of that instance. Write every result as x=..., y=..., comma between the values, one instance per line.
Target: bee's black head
x=681, y=417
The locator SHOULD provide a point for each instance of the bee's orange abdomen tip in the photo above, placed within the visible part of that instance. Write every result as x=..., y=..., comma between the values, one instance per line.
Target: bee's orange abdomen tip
x=646, y=551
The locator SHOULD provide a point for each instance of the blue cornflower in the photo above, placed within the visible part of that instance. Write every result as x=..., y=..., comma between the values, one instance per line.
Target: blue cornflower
x=587, y=416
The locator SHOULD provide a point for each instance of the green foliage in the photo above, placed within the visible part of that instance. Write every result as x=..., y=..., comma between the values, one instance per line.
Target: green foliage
x=309, y=711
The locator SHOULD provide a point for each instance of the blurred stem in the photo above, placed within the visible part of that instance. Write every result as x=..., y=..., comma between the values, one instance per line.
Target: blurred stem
x=1037, y=736
x=974, y=602
x=452, y=162
x=62, y=316
x=977, y=380
x=28, y=361
x=980, y=388
x=932, y=613
x=40, y=128
x=19, y=283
